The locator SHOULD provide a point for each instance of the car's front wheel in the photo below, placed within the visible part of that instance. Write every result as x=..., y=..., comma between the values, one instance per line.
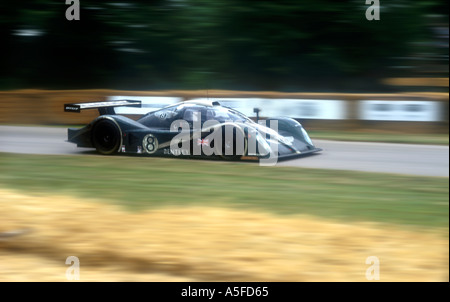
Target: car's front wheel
x=234, y=143
x=106, y=137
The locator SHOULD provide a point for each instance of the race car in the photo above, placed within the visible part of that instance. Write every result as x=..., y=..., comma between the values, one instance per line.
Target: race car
x=190, y=129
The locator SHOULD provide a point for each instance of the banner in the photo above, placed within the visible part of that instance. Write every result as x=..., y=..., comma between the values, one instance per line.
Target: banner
x=411, y=111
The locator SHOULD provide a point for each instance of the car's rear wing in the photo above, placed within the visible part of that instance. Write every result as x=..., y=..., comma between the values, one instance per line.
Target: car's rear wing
x=103, y=107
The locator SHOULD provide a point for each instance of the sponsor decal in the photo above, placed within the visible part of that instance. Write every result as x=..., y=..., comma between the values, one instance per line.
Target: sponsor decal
x=150, y=143
x=203, y=142
x=71, y=108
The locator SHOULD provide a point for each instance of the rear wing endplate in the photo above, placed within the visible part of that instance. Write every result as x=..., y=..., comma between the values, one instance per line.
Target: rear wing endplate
x=103, y=107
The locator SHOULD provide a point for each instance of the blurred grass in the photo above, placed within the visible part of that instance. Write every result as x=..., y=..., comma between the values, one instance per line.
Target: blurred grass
x=361, y=136
x=142, y=182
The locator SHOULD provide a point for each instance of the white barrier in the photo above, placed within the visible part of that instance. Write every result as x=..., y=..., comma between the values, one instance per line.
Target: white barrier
x=314, y=109
x=295, y=108
x=411, y=111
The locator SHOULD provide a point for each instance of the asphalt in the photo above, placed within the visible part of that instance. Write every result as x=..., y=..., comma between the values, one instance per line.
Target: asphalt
x=424, y=160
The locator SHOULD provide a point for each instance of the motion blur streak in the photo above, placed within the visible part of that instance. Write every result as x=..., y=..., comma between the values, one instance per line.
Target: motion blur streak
x=205, y=244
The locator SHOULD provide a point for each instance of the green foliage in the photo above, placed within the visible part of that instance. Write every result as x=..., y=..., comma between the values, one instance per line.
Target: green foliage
x=204, y=44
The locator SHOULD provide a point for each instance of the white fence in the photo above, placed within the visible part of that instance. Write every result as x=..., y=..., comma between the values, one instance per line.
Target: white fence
x=313, y=109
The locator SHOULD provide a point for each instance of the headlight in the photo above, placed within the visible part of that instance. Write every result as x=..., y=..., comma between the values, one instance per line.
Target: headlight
x=263, y=146
x=306, y=136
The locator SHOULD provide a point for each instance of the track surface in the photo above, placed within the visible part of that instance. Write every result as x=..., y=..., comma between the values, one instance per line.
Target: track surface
x=423, y=160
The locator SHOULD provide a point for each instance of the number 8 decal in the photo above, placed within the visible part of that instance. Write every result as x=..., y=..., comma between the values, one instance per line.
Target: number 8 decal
x=150, y=143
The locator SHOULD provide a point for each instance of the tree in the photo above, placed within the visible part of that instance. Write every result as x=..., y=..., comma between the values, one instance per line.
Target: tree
x=279, y=45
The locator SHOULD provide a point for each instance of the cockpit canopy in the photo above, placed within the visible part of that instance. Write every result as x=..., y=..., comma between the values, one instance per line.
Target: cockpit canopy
x=192, y=113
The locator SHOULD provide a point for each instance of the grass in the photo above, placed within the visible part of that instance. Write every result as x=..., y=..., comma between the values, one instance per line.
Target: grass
x=426, y=139
x=144, y=182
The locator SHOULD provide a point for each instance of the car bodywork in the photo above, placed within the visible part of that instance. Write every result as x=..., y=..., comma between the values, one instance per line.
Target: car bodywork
x=191, y=128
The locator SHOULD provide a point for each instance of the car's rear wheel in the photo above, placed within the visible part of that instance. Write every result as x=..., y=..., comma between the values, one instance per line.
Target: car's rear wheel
x=106, y=137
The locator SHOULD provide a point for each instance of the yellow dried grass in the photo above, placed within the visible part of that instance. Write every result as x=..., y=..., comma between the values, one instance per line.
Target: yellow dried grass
x=204, y=244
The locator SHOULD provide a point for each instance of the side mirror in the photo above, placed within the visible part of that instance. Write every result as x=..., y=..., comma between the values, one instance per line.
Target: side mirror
x=256, y=110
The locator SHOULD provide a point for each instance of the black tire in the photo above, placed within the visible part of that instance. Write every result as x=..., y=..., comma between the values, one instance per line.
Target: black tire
x=106, y=137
